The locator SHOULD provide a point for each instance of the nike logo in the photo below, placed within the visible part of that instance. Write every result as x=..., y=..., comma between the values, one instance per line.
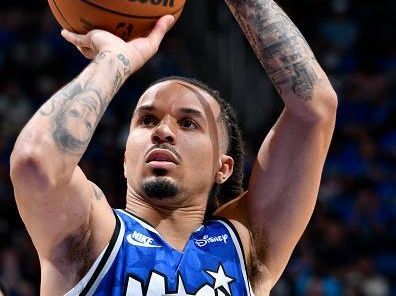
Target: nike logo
x=140, y=240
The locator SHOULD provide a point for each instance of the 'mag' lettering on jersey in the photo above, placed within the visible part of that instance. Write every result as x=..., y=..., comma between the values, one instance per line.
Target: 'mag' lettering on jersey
x=157, y=286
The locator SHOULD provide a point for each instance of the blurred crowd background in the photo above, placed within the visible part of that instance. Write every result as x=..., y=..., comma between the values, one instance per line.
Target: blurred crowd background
x=349, y=247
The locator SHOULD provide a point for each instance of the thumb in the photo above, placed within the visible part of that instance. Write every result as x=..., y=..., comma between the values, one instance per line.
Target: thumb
x=162, y=26
x=76, y=39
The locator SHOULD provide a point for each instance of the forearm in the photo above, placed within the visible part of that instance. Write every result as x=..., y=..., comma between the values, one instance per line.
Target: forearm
x=281, y=49
x=61, y=130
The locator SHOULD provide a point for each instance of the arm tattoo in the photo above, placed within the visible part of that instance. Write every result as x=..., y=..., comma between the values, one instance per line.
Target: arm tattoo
x=98, y=193
x=76, y=109
x=100, y=56
x=279, y=45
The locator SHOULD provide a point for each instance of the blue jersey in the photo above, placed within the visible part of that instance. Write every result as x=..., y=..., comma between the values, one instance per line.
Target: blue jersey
x=139, y=262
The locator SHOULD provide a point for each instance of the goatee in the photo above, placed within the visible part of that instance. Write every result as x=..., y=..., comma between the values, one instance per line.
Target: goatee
x=160, y=188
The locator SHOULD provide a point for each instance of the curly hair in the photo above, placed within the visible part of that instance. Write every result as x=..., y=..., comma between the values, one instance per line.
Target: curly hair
x=233, y=187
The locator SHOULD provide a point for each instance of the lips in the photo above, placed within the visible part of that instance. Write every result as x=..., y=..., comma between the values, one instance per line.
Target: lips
x=161, y=156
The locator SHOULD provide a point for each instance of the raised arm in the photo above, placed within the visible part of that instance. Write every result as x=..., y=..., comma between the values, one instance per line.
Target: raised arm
x=286, y=177
x=61, y=209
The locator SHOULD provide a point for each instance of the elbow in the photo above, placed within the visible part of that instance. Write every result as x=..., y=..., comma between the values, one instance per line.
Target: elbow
x=31, y=166
x=322, y=109
x=27, y=168
x=328, y=106
x=34, y=159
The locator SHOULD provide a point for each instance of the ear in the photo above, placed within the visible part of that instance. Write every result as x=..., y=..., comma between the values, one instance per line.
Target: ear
x=225, y=170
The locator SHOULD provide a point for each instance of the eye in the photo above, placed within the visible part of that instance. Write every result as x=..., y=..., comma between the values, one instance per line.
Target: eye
x=148, y=120
x=188, y=124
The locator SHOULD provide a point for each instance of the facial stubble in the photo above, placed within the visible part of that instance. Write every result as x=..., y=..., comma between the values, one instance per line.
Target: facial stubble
x=160, y=187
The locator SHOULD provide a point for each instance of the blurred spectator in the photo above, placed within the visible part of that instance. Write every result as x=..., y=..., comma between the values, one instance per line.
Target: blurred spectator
x=363, y=279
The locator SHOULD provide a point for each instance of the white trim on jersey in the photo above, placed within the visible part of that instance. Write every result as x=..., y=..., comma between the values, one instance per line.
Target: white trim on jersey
x=240, y=255
x=141, y=222
x=76, y=291
x=80, y=286
x=148, y=226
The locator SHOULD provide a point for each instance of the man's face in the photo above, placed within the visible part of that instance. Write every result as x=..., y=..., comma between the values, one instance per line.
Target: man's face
x=175, y=137
x=81, y=115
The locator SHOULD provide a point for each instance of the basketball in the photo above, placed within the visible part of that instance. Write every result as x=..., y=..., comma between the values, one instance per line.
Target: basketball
x=128, y=19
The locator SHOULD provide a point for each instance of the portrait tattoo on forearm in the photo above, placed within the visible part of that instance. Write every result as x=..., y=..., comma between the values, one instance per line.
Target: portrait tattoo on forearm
x=76, y=109
x=279, y=45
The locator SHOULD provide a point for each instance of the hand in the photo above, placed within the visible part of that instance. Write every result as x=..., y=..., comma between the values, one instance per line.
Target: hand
x=139, y=50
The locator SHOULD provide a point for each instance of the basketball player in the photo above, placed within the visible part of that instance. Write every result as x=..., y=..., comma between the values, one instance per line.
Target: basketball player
x=183, y=144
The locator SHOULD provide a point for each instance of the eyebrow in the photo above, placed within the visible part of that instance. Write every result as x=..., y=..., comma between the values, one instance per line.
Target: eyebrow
x=191, y=111
x=188, y=111
x=142, y=109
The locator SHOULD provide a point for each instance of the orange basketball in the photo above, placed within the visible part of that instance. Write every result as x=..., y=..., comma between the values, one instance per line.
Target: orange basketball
x=127, y=19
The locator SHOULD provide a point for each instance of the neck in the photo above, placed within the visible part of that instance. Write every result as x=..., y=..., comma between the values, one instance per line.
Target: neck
x=174, y=219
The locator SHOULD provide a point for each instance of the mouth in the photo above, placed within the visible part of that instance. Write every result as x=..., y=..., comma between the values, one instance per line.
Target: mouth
x=160, y=158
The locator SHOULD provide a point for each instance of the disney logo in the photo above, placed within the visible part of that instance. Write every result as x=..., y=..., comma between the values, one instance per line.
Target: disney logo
x=211, y=239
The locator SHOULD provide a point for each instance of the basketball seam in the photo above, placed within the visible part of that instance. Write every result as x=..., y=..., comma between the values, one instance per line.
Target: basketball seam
x=126, y=14
x=61, y=14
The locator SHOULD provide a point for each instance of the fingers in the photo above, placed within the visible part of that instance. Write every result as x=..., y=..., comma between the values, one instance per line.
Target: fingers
x=78, y=40
x=161, y=28
x=88, y=52
x=82, y=42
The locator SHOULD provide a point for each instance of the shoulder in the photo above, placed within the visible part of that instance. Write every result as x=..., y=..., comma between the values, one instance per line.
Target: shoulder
x=235, y=212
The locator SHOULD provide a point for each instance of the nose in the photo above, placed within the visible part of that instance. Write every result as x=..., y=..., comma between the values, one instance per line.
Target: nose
x=163, y=133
